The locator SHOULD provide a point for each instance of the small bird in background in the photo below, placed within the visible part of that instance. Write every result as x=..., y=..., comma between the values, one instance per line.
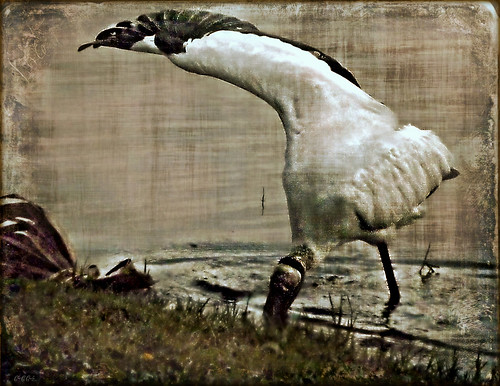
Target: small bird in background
x=352, y=172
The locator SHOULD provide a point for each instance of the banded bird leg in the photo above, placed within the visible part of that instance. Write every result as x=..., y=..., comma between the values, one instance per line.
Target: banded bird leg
x=285, y=284
x=394, y=296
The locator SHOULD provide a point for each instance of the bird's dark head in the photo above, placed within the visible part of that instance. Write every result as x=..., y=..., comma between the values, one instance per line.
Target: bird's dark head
x=165, y=32
x=123, y=36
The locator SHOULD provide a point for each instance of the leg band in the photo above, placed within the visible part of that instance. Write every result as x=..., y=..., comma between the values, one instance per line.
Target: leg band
x=301, y=258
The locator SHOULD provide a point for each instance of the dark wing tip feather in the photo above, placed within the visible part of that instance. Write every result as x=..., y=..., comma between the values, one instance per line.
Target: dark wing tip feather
x=334, y=65
x=204, y=21
x=452, y=174
x=176, y=27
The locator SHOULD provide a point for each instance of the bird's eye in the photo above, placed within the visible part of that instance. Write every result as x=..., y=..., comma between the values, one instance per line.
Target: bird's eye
x=113, y=33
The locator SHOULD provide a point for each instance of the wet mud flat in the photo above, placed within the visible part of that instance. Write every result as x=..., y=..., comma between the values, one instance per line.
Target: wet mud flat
x=452, y=308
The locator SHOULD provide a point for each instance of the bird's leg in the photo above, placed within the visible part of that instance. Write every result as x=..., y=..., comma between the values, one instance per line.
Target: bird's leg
x=285, y=284
x=389, y=275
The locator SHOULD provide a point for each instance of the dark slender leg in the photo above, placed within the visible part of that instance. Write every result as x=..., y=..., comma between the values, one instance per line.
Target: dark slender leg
x=389, y=275
x=285, y=285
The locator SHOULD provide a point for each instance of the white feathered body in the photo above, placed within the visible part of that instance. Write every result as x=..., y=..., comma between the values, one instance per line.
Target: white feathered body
x=350, y=170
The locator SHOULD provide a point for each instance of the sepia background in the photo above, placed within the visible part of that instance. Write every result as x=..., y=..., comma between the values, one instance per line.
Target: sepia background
x=129, y=154
x=126, y=151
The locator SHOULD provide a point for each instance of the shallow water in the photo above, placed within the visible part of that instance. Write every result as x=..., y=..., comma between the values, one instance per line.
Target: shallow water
x=454, y=308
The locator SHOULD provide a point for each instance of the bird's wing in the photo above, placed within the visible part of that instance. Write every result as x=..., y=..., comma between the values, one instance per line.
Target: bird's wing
x=403, y=171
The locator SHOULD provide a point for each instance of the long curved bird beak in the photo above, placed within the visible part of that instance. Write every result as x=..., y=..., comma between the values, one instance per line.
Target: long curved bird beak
x=95, y=43
x=117, y=37
x=107, y=37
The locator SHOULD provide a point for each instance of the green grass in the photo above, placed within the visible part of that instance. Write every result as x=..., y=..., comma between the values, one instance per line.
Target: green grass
x=53, y=333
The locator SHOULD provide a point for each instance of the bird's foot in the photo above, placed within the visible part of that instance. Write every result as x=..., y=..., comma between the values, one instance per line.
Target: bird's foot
x=390, y=306
x=394, y=298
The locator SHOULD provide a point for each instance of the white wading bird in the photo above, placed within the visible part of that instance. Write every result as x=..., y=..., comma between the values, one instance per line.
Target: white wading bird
x=351, y=172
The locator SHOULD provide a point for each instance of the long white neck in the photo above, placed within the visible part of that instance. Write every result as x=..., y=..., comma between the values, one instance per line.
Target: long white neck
x=304, y=91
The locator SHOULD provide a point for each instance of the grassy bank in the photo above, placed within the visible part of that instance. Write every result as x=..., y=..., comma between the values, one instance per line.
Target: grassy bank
x=53, y=333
